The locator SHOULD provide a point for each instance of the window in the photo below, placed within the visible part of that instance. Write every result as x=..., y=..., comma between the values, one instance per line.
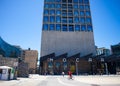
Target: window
x=87, y=13
x=70, y=6
x=80, y=1
x=87, y=7
x=58, y=6
x=64, y=27
x=83, y=27
x=76, y=13
x=52, y=19
x=58, y=12
x=75, y=6
x=52, y=12
x=58, y=0
x=81, y=7
x=88, y=20
x=51, y=26
x=64, y=0
x=58, y=27
x=64, y=19
x=69, y=1
x=46, y=19
x=86, y=1
x=77, y=27
x=52, y=6
x=71, y=28
x=70, y=19
x=45, y=26
x=76, y=1
x=46, y=12
x=58, y=20
x=46, y=6
x=64, y=6
x=89, y=28
x=70, y=13
x=76, y=20
x=82, y=20
x=81, y=13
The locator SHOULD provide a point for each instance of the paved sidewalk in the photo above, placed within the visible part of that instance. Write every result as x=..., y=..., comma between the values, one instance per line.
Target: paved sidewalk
x=100, y=79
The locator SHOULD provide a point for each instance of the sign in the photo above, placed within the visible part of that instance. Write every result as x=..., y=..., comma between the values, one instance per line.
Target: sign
x=64, y=60
x=77, y=59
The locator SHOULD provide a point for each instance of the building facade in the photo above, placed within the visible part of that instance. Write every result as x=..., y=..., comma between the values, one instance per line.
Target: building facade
x=67, y=28
x=30, y=57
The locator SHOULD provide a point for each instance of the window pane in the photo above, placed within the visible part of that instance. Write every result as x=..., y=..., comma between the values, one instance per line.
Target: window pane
x=87, y=13
x=45, y=27
x=58, y=20
x=58, y=6
x=52, y=19
x=52, y=12
x=89, y=28
x=76, y=1
x=80, y=1
x=69, y=1
x=83, y=27
x=51, y=26
x=87, y=7
x=77, y=27
x=82, y=20
x=58, y=27
x=52, y=6
x=71, y=28
x=81, y=13
x=86, y=1
x=64, y=27
x=88, y=20
x=64, y=0
x=46, y=6
x=75, y=6
x=76, y=20
x=58, y=0
x=46, y=19
x=81, y=7
x=58, y=12
x=76, y=13
x=70, y=19
x=46, y=12
x=64, y=19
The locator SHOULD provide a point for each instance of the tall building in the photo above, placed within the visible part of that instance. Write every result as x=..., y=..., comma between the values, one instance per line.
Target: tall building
x=67, y=28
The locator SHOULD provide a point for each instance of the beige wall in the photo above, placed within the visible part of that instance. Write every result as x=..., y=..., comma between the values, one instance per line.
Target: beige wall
x=31, y=57
x=67, y=42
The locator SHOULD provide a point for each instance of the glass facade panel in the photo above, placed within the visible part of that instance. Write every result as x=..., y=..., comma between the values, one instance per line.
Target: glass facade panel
x=58, y=27
x=52, y=5
x=58, y=0
x=64, y=20
x=88, y=20
x=83, y=27
x=70, y=19
x=86, y=1
x=58, y=19
x=76, y=13
x=52, y=27
x=64, y=27
x=71, y=28
x=69, y=1
x=89, y=28
x=58, y=12
x=80, y=1
x=76, y=20
x=52, y=19
x=46, y=12
x=87, y=13
x=58, y=5
x=81, y=7
x=87, y=7
x=75, y=6
x=46, y=19
x=46, y=6
x=52, y=12
x=45, y=26
x=82, y=20
x=76, y=1
x=82, y=13
x=77, y=27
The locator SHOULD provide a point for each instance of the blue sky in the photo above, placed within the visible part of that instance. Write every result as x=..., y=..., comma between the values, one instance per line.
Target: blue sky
x=21, y=22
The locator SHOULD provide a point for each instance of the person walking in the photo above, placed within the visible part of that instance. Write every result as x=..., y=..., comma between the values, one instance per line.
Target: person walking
x=63, y=73
x=70, y=74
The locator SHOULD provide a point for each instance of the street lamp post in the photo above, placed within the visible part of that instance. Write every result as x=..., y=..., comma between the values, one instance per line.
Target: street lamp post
x=77, y=60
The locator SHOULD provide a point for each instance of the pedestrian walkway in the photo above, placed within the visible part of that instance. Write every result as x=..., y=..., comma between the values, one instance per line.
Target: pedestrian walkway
x=100, y=79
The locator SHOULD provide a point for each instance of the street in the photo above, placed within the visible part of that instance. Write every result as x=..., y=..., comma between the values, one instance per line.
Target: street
x=36, y=80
